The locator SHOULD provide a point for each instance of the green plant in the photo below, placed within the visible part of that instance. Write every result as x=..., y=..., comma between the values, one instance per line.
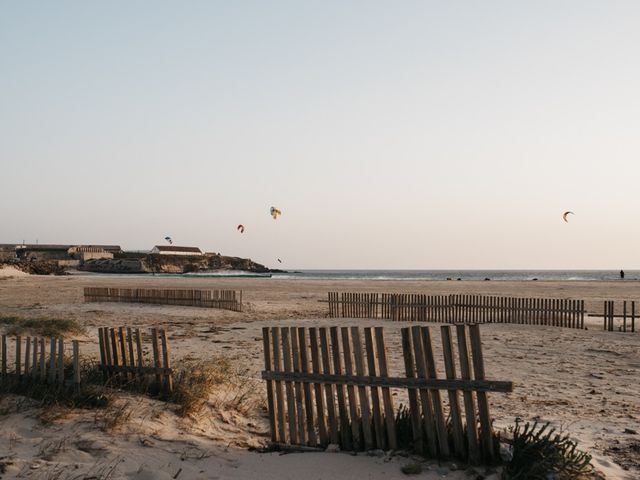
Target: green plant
x=538, y=453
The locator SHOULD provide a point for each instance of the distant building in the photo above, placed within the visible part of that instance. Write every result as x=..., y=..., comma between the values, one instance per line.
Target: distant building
x=174, y=250
x=42, y=252
x=90, y=252
x=31, y=252
x=7, y=252
x=89, y=248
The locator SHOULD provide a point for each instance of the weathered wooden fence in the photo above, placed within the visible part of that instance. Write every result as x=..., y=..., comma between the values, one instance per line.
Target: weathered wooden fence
x=332, y=385
x=39, y=359
x=458, y=308
x=224, y=299
x=123, y=361
x=628, y=316
x=391, y=306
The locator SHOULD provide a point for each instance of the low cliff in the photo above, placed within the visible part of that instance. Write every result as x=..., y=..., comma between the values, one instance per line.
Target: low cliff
x=154, y=263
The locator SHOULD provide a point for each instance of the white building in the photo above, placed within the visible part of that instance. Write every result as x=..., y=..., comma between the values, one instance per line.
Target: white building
x=174, y=250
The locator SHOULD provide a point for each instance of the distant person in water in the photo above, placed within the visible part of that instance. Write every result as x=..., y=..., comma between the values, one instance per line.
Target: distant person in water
x=621, y=274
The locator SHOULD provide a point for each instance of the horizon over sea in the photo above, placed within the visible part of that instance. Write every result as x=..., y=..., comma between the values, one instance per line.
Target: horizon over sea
x=426, y=275
x=383, y=274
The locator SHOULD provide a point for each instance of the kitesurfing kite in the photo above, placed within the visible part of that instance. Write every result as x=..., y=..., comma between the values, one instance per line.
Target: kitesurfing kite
x=168, y=239
x=241, y=228
x=565, y=214
x=275, y=212
x=279, y=261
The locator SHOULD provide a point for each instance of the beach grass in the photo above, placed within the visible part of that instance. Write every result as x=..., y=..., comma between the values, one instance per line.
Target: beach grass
x=45, y=327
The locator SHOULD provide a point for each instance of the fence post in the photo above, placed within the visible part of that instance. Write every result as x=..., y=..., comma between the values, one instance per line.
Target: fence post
x=18, y=356
x=166, y=361
x=76, y=364
x=61, y=360
x=3, y=339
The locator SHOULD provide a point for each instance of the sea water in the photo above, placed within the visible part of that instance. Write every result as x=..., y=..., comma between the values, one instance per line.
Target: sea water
x=461, y=274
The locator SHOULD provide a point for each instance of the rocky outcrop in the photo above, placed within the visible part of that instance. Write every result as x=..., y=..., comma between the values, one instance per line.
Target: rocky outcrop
x=153, y=263
x=111, y=265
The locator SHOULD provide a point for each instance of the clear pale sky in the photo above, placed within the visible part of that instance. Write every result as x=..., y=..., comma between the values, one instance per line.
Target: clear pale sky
x=390, y=134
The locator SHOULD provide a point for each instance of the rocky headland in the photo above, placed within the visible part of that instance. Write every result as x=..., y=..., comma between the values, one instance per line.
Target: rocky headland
x=155, y=263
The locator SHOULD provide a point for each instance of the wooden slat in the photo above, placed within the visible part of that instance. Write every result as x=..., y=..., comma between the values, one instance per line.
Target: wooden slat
x=387, y=400
x=378, y=423
x=363, y=396
x=425, y=395
x=351, y=392
x=132, y=357
x=394, y=382
x=52, y=360
x=266, y=343
x=139, y=353
x=34, y=369
x=318, y=394
x=166, y=360
x=307, y=388
x=156, y=355
x=486, y=433
x=115, y=357
x=441, y=426
x=289, y=391
x=277, y=367
x=43, y=360
x=469, y=404
x=61, y=360
x=76, y=363
x=18, y=355
x=340, y=389
x=416, y=427
x=332, y=417
x=122, y=348
x=3, y=345
x=300, y=410
x=27, y=356
x=454, y=402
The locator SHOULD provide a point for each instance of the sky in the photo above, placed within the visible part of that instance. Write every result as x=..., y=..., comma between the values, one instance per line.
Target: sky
x=399, y=135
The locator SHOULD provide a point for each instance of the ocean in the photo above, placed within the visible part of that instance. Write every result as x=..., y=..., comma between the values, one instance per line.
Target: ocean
x=445, y=274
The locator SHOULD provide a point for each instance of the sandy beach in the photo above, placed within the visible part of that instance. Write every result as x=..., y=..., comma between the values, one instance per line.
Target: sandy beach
x=583, y=381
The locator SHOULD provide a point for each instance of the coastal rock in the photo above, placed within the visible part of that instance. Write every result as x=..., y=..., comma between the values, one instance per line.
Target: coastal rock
x=154, y=263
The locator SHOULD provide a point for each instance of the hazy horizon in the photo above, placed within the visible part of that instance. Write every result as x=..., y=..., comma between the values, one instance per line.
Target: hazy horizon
x=419, y=135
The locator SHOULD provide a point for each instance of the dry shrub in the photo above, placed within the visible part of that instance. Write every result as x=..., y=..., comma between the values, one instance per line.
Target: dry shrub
x=56, y=400
x=114, y=416
x=45, y=327
x=216, y=382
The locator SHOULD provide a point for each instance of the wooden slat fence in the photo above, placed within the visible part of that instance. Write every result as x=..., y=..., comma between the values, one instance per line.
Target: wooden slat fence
x=627, y=317
x=223, y=299
x=39, y=359
x=332, y=385
x=458, y=308
x=557, y=312
x=123, y=360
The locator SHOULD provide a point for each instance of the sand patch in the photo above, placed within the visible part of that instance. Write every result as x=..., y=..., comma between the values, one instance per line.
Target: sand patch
x=8, y=271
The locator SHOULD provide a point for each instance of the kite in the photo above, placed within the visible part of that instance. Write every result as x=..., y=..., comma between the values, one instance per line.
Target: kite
x=279, y=261
x=168, y=239
x=565, y=214
x=241, y=228
x=275, y=212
